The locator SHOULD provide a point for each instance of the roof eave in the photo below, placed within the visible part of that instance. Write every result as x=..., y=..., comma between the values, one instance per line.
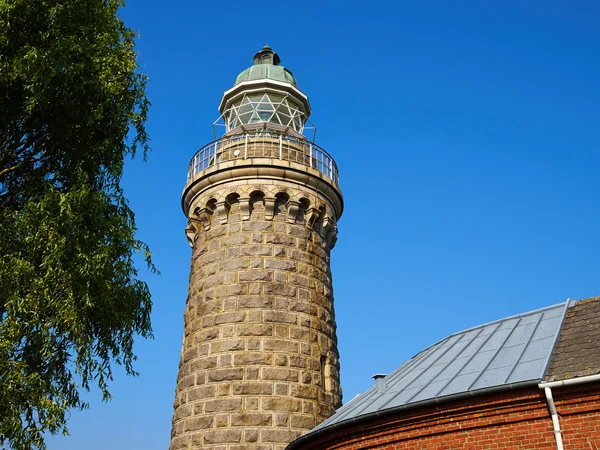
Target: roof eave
x=298, y=443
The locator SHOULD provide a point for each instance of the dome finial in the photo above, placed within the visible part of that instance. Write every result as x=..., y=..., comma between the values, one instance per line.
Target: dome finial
x=266, y=55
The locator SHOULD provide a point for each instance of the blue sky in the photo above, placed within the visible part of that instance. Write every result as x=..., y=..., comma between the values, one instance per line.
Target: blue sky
x=467, y=138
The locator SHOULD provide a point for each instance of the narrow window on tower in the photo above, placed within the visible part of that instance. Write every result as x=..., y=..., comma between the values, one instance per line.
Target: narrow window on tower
x=323, y=368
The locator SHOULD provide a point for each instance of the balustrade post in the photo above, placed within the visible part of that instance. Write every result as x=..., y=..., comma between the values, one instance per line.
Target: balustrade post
x=246, y=147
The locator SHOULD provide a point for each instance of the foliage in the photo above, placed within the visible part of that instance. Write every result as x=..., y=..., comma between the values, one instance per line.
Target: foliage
x=72, y=107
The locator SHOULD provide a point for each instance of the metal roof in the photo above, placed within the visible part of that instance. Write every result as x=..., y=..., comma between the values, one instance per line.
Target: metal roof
x=499, y=354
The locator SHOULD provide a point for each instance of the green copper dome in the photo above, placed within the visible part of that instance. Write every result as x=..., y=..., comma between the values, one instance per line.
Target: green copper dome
x=266, y=65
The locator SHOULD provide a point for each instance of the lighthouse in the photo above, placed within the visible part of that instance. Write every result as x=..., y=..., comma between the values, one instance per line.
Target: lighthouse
x=259, y=362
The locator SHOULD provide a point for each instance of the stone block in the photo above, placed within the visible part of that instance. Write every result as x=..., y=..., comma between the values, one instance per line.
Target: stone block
x=234, y=240
x=223, y=389
x=201, y=393
x=251, y=436
x=299, y=231
x=211, y=307
x=279, y=251
x=207, y=335
x=225, y=360
x=280, y=239
x=280, y=277
x=203, y=364
x=256, y=250
x=255, y=330
x=254, y=288
x=278, y=435
x=198, y=423
x=235, y=264
x=190, y=354
x=255, y=275
x=226, y=374
x=252, y=373
x=282, y=420
x=228, y=331
x=280, y=345
x=256, y=225
x=284, y=290
x=252, y=359
x=282, y=303
x=280, y=264
x=225, y=436
x=227, y=345
x=231, y=290
x=280, y=317
x=253, y=388
x=229, y=303
x=300, y=334
x=255, y=302
x=282, y=389
x=279, y=374
x=256, y=263
x=230, y=317
x=306, y=422
x=212, y=257
x=251, y=420
x=253, y=343
x=298, y=255
x=280, y=359
x=282, y=404
x=254, y=316
x=300, y=391
x=299, y=280
x=223, y=404
x=222, y=420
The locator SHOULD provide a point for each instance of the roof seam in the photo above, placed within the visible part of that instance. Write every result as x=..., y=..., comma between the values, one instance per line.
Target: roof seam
x=495, y=353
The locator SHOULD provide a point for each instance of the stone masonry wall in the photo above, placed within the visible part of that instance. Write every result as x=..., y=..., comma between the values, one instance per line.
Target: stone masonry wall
x=259, y=363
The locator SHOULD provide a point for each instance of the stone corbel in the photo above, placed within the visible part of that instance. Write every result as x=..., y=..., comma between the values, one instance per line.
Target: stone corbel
x=245, y=207
x=204, y=215
x=190, y=233
x=193, y=228
x=331, y=236
x=293, y=206
x=327, y=224
x=222, y=211
x=269, y=207
x=311, y=216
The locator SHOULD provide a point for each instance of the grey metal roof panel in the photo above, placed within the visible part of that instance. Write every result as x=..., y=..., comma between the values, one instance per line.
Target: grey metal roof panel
x=505, y=352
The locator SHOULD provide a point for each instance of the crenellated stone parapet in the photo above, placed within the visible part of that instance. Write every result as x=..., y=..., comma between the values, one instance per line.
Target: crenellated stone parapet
x=300, y=206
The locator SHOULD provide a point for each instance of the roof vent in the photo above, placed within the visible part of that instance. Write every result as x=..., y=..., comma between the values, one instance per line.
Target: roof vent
x=379, y=382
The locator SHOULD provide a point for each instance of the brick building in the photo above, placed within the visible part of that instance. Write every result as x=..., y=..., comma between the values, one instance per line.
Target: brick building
x=524, y=382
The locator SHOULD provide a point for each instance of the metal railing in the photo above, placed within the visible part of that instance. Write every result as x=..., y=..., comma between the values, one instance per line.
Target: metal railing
x=263, y=144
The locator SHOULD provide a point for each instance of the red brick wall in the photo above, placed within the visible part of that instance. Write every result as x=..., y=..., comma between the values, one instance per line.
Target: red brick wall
x=512, y=420
x=579, y=412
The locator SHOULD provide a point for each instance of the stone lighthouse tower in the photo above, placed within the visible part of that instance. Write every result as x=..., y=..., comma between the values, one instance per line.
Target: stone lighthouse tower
x=259, y=364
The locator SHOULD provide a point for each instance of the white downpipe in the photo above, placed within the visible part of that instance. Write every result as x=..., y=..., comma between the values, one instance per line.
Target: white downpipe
x=554, y=415
x=547, y=387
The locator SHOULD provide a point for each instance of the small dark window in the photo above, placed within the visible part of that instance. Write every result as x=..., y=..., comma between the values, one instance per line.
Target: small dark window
x=323, y=367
